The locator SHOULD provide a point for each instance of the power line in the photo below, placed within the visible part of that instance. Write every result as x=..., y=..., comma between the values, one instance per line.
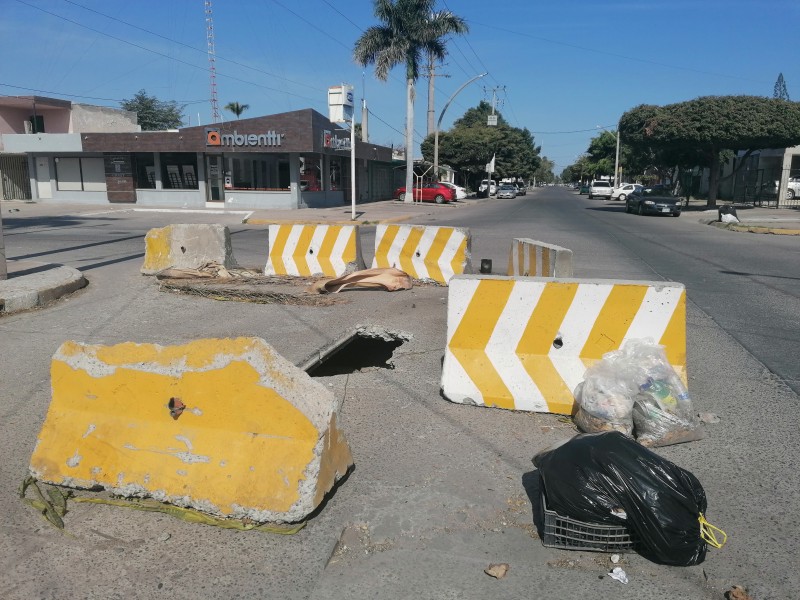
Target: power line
x=17, y=87
x=173, y=41
x=162, y=54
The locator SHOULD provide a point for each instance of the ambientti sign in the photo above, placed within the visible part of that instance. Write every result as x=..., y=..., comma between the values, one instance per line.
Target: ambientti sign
x=214, y=137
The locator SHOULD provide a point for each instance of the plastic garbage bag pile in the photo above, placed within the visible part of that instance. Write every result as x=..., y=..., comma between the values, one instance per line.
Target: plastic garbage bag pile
x=635, y=391
x=607, y=478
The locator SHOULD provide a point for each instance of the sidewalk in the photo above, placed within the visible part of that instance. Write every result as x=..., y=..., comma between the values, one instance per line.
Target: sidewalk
x=755, y=219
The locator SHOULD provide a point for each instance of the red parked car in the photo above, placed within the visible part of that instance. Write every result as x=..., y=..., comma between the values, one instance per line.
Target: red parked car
x=429, y=192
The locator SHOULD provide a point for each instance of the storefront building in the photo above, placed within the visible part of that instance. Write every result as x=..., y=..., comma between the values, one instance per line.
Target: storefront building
x=289, y=160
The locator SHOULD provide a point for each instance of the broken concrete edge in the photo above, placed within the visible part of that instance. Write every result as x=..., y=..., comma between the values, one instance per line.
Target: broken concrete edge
x=745, y=228
x=24, y=298
x=367, y=331
x=331, y=456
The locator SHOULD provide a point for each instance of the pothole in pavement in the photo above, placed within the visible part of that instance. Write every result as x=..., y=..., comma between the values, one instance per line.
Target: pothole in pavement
x=364, y=347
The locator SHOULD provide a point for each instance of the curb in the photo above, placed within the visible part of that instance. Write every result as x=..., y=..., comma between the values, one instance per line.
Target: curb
x=745, y=228
x=260, y=221
x=48, y=283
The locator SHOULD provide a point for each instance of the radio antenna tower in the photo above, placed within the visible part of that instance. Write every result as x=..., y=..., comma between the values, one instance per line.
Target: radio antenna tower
x=212, y=63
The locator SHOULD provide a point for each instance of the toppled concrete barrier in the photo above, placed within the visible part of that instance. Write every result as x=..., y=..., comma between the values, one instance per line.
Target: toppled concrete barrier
x=225, y=426
x=187, y=247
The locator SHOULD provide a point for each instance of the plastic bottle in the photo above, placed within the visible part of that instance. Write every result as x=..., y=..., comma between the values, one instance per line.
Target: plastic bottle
x=661, y=392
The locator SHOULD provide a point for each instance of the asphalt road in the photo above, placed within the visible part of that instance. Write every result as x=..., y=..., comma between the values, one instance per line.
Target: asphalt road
x=439, y=490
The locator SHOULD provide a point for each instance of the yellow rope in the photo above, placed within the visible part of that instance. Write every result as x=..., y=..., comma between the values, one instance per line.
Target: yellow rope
x=707, y=532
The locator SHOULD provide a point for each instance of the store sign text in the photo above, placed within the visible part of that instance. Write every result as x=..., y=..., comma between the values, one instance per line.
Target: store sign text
x=330, y=140
x=215, y=138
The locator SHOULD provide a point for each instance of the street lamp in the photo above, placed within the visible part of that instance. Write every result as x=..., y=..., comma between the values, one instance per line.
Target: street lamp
x=439, y=123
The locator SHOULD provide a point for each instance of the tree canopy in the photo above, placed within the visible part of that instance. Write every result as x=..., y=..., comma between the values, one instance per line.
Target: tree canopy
x=698, y=132
x=409, y=31
x=236, y=108
x=780, y=91
x=471, y=143
x=154, y=114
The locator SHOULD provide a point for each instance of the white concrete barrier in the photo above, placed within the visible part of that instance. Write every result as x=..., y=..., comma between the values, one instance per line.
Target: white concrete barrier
x=525, y=343
x=531, y=258
x=426, y=253
x=313, y=249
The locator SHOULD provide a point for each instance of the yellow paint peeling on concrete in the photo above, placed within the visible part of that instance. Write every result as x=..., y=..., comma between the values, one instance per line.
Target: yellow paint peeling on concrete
x=157, y=249
x=237, y=443
x=197, y=354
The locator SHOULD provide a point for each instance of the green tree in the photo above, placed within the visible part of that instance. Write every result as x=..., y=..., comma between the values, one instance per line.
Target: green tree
x=780, y=90
x=545, y=171
x=470, y=144
x=154, y=114
x=236, y=108
x=410, y=30
x=710, y=128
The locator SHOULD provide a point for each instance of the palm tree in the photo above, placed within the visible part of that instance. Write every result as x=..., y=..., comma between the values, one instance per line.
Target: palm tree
x=236, y=108
x=410, y=30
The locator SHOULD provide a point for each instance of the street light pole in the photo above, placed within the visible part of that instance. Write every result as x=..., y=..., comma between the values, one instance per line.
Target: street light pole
x=353, y=168
x=439, y=123
x=3, y=267
x=616, y=163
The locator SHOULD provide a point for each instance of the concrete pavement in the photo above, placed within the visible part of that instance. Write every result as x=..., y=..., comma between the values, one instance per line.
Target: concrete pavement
x=31, y=284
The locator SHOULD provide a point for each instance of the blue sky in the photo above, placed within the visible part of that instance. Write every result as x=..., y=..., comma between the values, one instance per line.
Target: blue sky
x=562, y=68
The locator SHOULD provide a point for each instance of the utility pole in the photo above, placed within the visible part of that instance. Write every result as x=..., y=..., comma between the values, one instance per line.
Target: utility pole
x=431, y=75
x=493, y=118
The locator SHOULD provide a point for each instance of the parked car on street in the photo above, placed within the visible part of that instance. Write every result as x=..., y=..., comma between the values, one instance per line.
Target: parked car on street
x=507, y=190
x=429, y=192
x=653, y=202
x=600, y=188
x=460, y=192
x=583, y=189
x=624, y=190
x=521, y=190
x=484, y=186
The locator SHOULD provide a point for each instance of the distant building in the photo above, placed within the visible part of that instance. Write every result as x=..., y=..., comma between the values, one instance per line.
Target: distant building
x=58, y=151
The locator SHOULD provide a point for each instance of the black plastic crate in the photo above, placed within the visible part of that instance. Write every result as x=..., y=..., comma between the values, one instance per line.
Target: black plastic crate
x=571, y=534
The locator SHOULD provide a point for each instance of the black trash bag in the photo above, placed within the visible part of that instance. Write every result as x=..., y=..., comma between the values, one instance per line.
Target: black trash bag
x=607, y=478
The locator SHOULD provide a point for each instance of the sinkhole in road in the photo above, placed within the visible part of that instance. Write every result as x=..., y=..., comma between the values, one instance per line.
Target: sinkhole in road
x=359, y=349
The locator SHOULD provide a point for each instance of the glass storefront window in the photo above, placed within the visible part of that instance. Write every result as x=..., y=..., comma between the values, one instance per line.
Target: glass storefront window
x=310, y=173
x=145, y=169
x=179, y=170
x=262, y=172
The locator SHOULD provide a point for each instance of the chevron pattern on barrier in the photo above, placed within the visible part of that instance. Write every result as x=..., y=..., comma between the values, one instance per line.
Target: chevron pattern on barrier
x=427, y=253
x=525, y=343
x=308, y=250
x=531, y=258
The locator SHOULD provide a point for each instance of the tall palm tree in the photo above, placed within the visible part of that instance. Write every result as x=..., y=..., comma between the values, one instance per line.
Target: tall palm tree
x=236, y=108
x=410, y=30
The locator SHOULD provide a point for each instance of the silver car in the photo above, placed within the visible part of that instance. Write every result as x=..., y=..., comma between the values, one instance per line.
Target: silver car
x=507, y=191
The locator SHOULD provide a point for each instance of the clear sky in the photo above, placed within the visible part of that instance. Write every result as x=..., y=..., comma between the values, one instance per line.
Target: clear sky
x=561, y=69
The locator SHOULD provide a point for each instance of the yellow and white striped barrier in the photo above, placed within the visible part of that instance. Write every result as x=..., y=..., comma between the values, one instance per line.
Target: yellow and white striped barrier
x=225, y=426
x=427, y=253
x=531, y=258
x=525, y=343
x=309, y=250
